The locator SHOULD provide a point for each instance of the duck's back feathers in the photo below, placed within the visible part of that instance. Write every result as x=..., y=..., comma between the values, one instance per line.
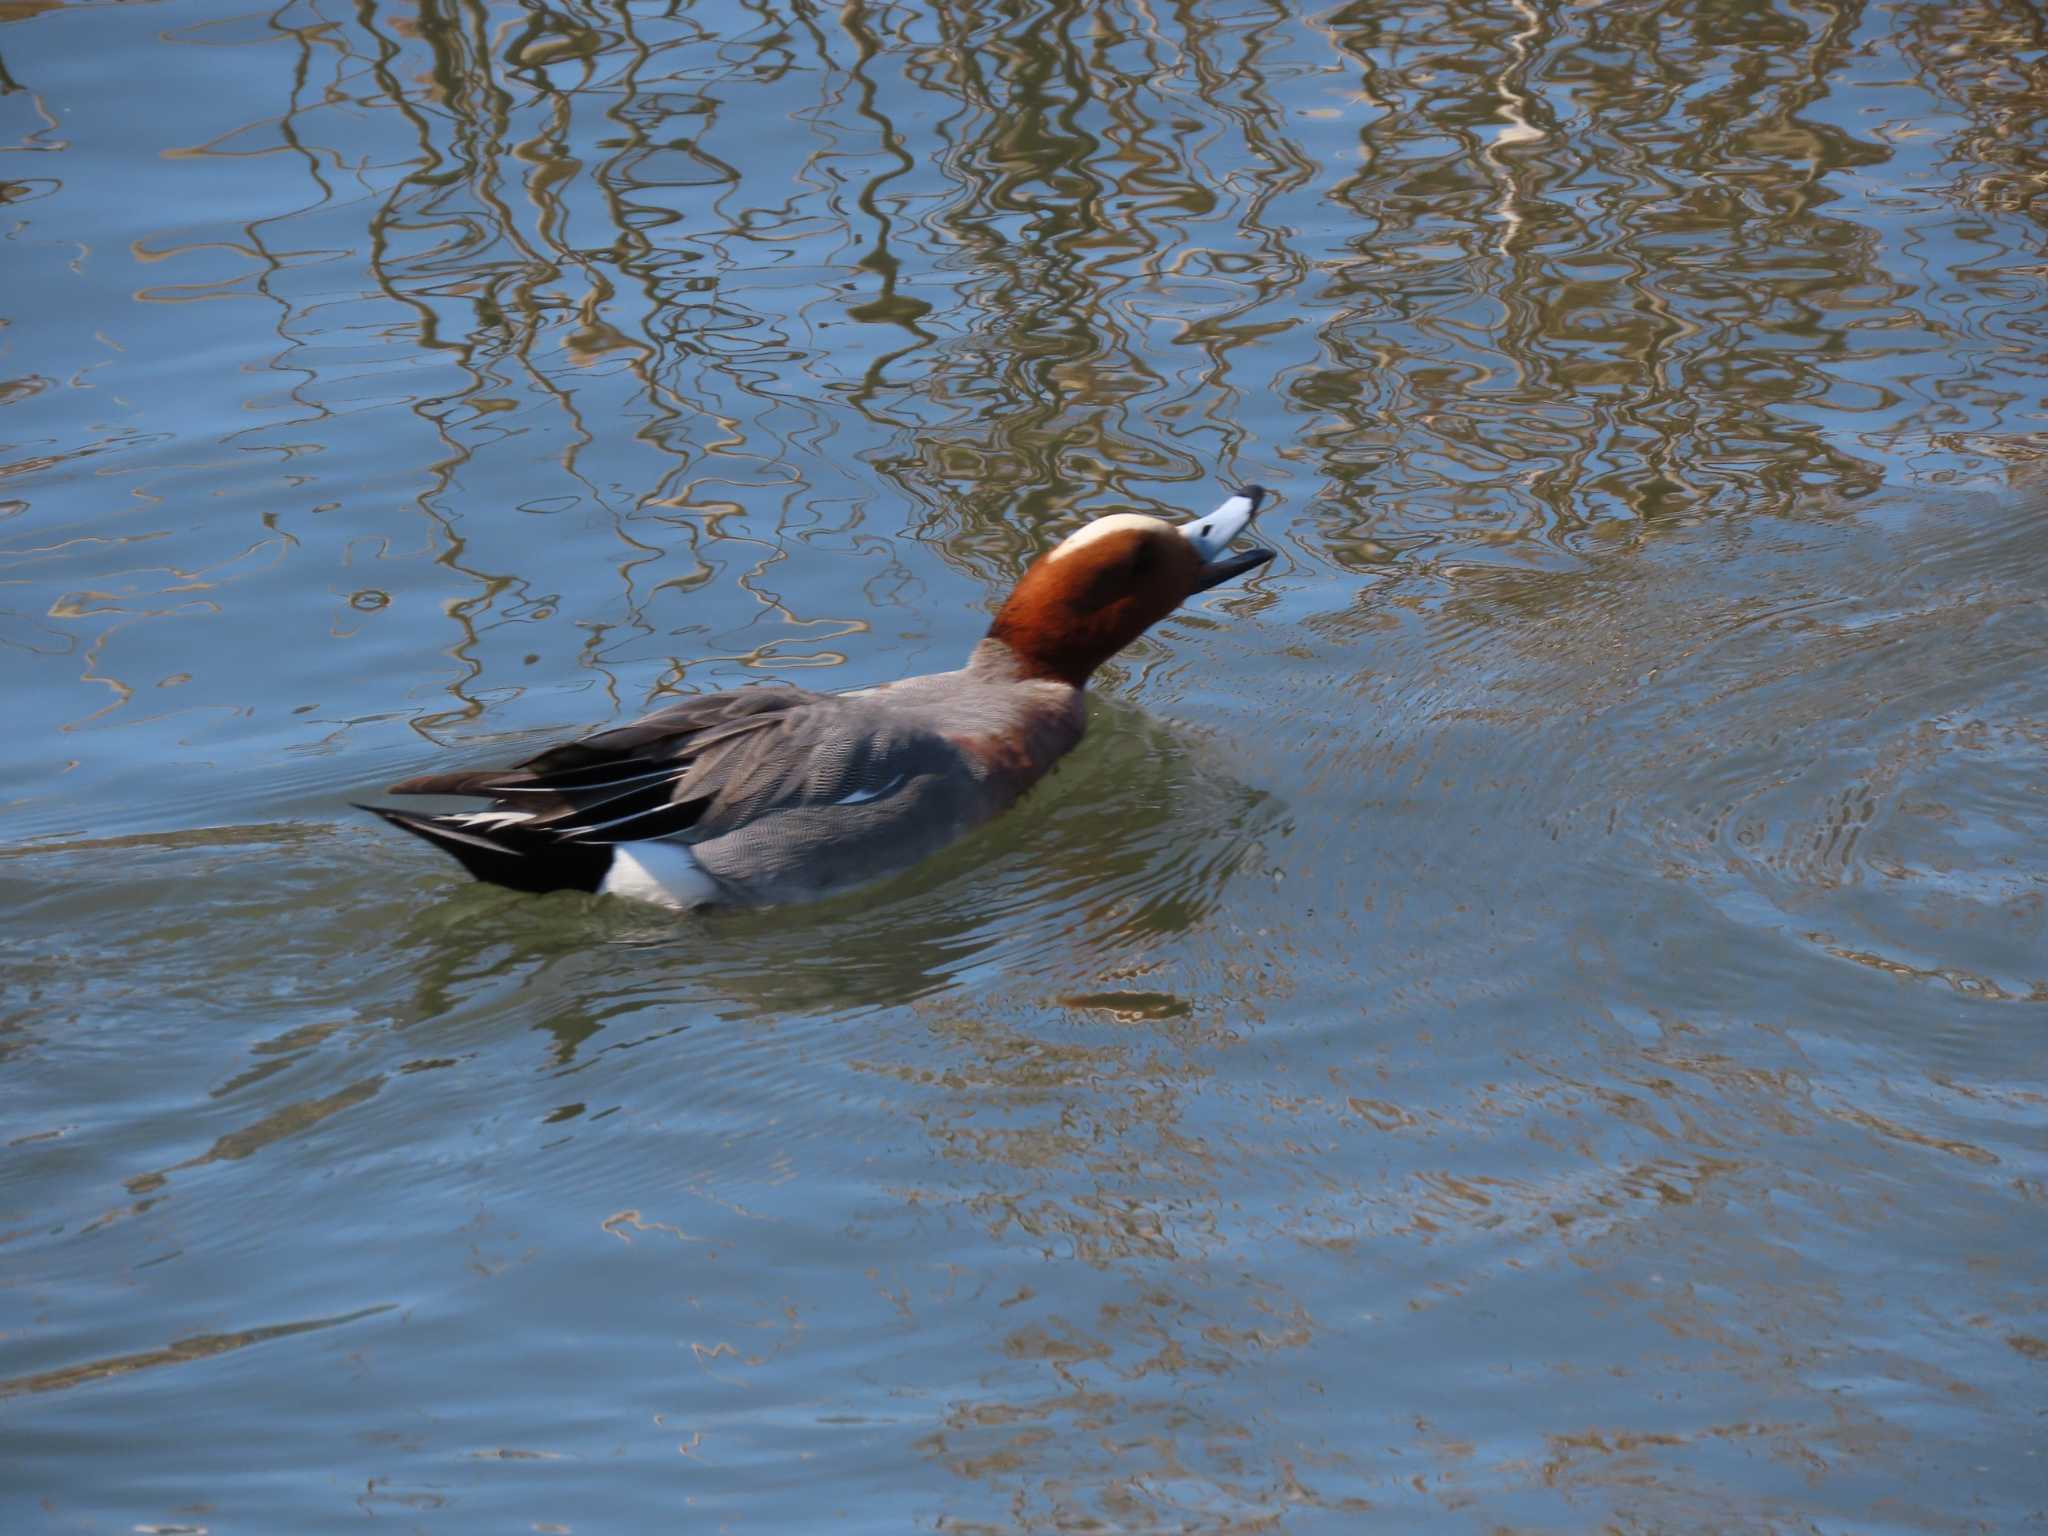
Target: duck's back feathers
x=775, y=793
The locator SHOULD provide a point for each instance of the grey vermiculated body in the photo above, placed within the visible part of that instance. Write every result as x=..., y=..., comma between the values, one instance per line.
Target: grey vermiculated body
x=781, y=794
x=924, y=748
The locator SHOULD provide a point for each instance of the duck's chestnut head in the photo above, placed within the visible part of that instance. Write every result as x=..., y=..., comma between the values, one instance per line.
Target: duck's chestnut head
x=1105, y=585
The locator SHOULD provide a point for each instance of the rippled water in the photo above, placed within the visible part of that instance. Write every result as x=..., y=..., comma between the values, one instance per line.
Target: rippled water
x=1525, y=1015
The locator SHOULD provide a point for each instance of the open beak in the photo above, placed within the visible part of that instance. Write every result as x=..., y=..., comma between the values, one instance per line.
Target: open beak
x=1211, y=537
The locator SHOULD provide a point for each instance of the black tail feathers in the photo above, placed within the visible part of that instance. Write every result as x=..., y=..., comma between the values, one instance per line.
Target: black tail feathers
x=507, y=854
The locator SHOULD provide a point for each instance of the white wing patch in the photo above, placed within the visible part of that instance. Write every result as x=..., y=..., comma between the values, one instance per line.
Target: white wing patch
x=863, y=796
x=489, y=818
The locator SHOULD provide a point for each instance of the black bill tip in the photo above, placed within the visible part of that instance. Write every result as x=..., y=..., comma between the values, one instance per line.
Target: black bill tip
x=1216, y=572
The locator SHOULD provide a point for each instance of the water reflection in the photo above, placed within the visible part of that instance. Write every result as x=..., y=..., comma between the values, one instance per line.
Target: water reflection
x=182, y=1352
x=1594, y=269
x=1540, y=1040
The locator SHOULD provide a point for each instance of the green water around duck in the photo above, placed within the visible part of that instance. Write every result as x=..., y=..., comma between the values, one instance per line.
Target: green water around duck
x=1525, y=1014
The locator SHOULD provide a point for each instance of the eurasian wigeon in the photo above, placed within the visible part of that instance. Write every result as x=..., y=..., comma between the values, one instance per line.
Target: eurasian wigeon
x=775, y=794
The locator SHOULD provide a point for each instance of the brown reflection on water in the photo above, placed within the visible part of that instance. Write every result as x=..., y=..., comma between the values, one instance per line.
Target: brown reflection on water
x=181, y=1352
x=1594, y=268
x=543, y=287
x=279, y=1125
x=1081, y=245
x=1599, y=285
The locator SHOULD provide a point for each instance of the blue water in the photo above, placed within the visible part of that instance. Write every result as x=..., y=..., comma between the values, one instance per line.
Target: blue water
x=1523, y=1015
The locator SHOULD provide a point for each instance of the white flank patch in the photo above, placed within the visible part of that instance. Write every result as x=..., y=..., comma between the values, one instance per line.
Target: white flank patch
x=666, y=874
x=1103, y=527
x=489, y=818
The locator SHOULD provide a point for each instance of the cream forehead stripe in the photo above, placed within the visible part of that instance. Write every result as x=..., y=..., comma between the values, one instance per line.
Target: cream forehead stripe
x=1103, y=527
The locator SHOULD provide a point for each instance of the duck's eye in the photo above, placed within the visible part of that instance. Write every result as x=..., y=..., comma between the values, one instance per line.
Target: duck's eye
x=1119, y=571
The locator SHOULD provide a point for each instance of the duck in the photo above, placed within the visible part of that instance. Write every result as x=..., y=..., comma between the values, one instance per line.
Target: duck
x=766, y=795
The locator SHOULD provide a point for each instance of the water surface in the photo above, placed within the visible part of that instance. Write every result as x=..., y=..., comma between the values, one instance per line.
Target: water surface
x=1524, y=1015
